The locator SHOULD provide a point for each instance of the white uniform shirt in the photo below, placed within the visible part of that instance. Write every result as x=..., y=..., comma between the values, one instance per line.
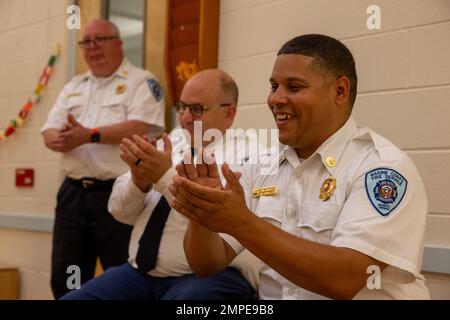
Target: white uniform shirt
x=128, y=204
x=348, y=219
x=129, y=94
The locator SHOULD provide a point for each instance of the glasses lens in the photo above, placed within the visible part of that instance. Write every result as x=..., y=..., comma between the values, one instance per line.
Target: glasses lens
x=196, y=110
x=84, y=43
x=88, y=43
x=180, y=107
x=99, y=41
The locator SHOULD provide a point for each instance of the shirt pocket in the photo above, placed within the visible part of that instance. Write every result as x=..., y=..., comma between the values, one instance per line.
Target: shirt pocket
x=270, y=208
x=317, y=221
x=113, y=111
x=75, y=107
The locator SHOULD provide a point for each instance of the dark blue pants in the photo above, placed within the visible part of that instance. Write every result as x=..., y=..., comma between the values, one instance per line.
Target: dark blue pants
x=126, y=283
x=85, y=230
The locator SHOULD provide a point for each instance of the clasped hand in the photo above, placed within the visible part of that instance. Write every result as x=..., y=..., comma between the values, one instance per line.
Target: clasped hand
x=200, y=196
x=147, y=164
x=71, y=135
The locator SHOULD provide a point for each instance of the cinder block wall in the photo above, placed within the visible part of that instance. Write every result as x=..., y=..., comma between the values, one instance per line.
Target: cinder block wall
x=404, y=78
x=29, y=30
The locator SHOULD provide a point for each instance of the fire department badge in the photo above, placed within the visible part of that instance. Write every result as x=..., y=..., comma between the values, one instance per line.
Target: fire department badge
x=385, y=189
x=121, y=88
x=327, y=189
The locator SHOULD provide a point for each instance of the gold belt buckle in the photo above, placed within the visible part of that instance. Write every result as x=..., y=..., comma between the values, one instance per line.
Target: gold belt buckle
x=87, y=183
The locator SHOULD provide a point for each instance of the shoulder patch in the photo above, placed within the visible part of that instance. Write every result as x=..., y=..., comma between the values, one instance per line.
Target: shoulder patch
x=155, y=89
x=385, y=189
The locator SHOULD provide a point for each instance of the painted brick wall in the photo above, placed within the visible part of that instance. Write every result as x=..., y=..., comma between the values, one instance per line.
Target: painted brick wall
x=29, y=30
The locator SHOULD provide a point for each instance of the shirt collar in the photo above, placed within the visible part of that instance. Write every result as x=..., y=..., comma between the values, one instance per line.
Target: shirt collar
x=329, y=152
x=122, y=71
x=289, y=154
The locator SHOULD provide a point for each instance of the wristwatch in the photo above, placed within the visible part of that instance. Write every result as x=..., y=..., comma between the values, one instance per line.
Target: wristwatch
x=95, y=135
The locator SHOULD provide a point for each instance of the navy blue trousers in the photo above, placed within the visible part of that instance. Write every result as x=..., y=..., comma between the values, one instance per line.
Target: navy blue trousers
x=126, y=283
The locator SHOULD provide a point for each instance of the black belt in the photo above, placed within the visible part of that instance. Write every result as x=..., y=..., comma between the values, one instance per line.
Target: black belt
x=91, y=183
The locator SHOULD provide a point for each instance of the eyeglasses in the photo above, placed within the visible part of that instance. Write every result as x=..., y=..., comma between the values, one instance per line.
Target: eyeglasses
x=97, y=41
x=196, y=109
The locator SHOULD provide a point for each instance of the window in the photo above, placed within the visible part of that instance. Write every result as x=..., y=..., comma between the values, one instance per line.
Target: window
x=129, y=17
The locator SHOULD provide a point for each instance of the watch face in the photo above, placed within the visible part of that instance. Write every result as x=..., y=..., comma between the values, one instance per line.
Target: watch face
x=95, y=137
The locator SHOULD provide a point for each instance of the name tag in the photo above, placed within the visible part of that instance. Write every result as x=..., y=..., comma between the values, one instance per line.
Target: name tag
x=73, y=94
x=266, y=191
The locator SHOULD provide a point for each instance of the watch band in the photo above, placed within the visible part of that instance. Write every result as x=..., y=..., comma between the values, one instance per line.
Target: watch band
x=95, y=135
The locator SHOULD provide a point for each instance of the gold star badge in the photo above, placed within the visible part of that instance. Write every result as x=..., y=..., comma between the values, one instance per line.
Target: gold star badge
x=327, y=189
x=121, y=88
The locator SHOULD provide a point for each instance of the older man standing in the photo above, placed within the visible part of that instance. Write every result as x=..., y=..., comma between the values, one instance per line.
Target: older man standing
x=91, y=116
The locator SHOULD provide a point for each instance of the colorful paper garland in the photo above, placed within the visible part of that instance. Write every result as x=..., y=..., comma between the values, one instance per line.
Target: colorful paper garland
x=19, y=121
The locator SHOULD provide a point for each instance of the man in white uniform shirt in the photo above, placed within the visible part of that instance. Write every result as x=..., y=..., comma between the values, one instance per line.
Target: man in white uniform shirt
x=209, y=98
x=341, y=215
x=91, y=116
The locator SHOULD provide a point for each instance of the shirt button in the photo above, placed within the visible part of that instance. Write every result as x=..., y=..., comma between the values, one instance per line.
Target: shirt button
x=293, y=213
x=317, y=223
x=291, y=292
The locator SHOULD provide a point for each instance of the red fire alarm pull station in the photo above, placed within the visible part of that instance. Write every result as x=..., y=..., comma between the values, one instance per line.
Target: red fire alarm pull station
x=24, y=177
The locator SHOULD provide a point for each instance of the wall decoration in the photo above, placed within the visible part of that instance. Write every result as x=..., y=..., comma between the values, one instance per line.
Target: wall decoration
x=34, y=99
x=192, y=42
